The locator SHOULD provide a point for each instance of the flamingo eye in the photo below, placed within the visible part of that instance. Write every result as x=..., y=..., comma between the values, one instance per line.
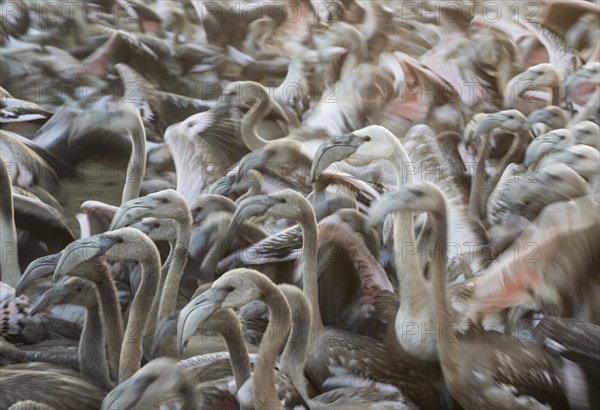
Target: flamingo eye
x=229, y=288
x=367, y=138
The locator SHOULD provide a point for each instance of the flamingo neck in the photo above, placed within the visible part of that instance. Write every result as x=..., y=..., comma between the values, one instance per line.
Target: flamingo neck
x=168, y=300
x=136, y=167
x=9, y=259
x=249, y=123
x=557, y=93
x=92, y=355
x=264, y=375
x=504, y=72
x=294, y=356
x=309, y=257
x=153, y=315
x=479, y=177
x=516, y=150
x=447, y=339
x=111, y=311
x=234, y=339
x=412, y=286
x=131, y=349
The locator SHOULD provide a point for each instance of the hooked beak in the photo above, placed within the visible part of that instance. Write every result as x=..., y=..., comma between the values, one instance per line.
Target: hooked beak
x=334, y=150
x=255, y=205
x=537, y=128
x=142, y=226
x=129, y=213
x=537, y=148
x=81, y=251
x=197, y=312
x=488, y=123
x=37, y=269
x=53, y=296
x=518, y=84
x=253, y=160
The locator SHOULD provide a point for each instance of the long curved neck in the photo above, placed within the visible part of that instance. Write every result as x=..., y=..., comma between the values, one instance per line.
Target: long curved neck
x=439, y=283
x=9, y=259
x=511, y=93
x=309, y=256
x=411, y=283
x=131, y=349
x=231, y=330
x=557, y=93
x=167, y=264
x=168, y=300
x=137, y=162
x=111, y=311
x=296, y=81
x=255, y=114
x=255, y=188
x=293, y=358
x=504, y=72
x=515, y=151
x=479, y=177
x=276, y=332
x=92, y=355
x=217, y=251
x=150, y=329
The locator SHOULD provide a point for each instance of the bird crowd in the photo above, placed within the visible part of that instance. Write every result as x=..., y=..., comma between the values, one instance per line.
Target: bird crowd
x=327, y=204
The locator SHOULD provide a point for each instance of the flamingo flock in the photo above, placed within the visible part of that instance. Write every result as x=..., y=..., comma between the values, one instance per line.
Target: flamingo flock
x=329, y=204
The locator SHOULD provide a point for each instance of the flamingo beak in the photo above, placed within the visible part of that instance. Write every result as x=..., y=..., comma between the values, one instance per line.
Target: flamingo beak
x=537, y=148
x=197, y=312
x=37, y=269
x=53, y=296
x=128, y=213
x=81, y=251
x=255, y=205
x=253, y=160
x=332, y=151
